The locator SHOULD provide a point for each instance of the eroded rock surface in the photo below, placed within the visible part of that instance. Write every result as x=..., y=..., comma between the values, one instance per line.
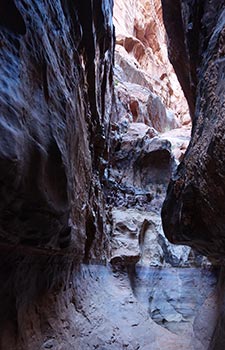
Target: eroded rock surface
x=181, y=300
x=56, y=92
x=138, y=238
x=194, y=208
x=56, y=104
x=146, y=85
x=97, y=308
x=141, y=164
x=193, y=212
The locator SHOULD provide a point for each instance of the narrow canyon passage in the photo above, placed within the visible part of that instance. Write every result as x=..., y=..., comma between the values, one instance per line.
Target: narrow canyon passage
x=94, y=127
x=174, y=284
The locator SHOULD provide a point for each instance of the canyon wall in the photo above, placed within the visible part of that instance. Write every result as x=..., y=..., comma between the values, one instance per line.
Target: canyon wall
x=56, y=81
x=82, y=187
x=56, y=92
x=146, y=84
x=193, y=212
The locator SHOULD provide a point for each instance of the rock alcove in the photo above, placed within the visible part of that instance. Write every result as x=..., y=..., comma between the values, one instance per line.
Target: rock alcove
x=93, y=125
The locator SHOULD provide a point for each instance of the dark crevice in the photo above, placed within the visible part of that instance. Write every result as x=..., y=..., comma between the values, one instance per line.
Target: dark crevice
x=173, y=21
x=11, y=18
x=103, y=89
x=45, y=81
x=56, y=180
x=90, y=236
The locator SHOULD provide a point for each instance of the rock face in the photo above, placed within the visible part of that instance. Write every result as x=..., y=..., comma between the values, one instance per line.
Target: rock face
x=56, y=92
x=141, y=164
x=70, y=194
x=193, y=212
x=147, y=87
x=97, y=308
x=138, y=238
x=180, y=300
x=194, y=207
x=55, y=107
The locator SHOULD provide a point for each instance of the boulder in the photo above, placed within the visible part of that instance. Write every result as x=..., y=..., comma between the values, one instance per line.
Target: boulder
x=137, y=237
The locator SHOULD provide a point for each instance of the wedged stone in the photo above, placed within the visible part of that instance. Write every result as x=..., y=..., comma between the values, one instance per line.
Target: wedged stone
x=137, y=237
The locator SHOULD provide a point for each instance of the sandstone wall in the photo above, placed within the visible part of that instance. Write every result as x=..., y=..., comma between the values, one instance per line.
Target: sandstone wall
x=56, y=92
x=56, y=161
x=193, y=212
x=142, y=64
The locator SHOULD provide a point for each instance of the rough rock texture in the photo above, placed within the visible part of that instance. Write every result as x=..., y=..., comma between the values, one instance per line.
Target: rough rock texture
x=138, y=238
x=142, y=159
x=141, y=164
x=55, y=107
x=146, y=85
x=194, y=209
x=55, y=102
x=96, y=308
x=193, y=212
x=183, y=301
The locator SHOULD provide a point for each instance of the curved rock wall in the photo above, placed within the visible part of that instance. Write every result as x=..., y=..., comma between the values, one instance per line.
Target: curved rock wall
x=56, y=92
x=56, y=103
x=194, y=207
x=55, y=79
x=193, y=212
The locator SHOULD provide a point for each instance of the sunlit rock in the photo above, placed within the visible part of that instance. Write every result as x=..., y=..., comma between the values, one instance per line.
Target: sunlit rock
x=141, y=58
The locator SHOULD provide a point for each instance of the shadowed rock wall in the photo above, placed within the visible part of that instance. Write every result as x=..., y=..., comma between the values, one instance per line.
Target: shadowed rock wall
x=55, y=81
x=193, y=212
x=55, y=102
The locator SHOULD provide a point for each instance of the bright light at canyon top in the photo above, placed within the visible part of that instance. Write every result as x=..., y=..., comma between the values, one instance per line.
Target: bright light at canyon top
x=141, y=42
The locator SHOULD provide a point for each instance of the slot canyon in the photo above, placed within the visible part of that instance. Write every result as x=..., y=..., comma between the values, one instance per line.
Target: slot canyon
x=112, y=183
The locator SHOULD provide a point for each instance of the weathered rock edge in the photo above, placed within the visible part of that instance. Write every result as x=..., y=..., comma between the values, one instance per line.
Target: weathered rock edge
x=56, y=102
x=193, y=212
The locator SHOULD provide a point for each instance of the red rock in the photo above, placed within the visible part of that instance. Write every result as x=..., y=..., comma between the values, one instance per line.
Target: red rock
x=144, y=60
